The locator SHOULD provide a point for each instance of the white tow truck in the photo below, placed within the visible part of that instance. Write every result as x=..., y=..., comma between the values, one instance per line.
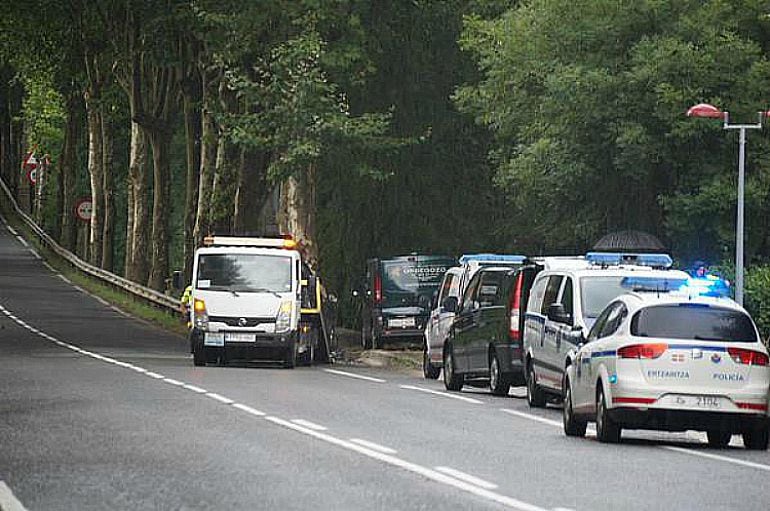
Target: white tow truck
x=254, y=298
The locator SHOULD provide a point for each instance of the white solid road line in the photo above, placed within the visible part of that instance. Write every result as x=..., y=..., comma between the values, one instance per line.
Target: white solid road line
x=354, y=375
x=194, y=388
x=8, y=501
x=308, y=424
x=443, y=394
x=426, y=472
x=173, y=382
x=22, y=241
x=248, y=409
x=467, y=478
x=65, y=279
x=35, y=254
x=220, y=398
x=374, y=446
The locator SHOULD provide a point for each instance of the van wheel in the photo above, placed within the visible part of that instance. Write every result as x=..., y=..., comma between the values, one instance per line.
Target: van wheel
x=499, y=383
x=572, y=425
x=607, y=431
x=757, y=439
x=452, y=381
x=718, y=439
x=429, y=371
x=535, y=395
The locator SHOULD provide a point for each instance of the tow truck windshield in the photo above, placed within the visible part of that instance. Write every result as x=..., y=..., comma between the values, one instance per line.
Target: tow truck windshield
x=249, y=273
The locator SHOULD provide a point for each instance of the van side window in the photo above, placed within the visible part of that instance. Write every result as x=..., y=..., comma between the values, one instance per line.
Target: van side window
x=446, y=287
x=566, y=297
x=489, y=288
x=470, y=291
x=536, y=295
x=551, y=292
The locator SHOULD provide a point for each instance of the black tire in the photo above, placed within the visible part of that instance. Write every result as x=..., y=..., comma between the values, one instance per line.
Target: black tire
x=607, y=431
x=499, y=382
x=307, y=357
x=757, y=439
x=290, y=359
x=572, y=425
x=199, y=355
x=718, y=439
x=535, y=395
x=452, y=381
x=429, y=371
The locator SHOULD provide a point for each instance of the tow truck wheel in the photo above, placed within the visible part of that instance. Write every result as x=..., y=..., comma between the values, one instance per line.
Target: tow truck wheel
x=572, y=425
x=199, y=355
x=757, y=439
x=429, y=371
x=718, y=439
x=607, y=431
x=290, y=358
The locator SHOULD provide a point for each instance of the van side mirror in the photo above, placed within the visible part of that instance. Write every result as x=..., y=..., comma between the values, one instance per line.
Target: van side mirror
x=450, y=304
x=557, y=313
x=177, y=280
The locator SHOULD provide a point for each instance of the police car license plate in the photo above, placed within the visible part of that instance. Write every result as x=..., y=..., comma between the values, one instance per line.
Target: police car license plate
x=214, y=339
x=239, y=337
x=401, y=322
x=693, y=402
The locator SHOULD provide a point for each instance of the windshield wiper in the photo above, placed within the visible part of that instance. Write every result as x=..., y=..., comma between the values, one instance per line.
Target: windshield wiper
x=265, y=290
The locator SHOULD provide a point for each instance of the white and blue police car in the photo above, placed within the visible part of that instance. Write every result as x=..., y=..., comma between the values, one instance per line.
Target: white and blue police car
x=668, y=356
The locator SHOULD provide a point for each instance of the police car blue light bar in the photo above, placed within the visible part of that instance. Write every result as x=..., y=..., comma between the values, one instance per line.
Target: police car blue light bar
x=653, y=284
x=618, y=258
x=709, y=286
x=492, y=258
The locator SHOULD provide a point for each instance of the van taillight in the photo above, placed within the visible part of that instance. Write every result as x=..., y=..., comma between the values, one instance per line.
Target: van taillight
x=377, y=288
x=749, y=357
x=642, y=350
x=514, y=333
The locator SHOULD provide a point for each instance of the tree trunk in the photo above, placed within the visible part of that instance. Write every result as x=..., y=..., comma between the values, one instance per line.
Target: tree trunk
x=252, y=191
x=160, y=139
x=192, y=123
x=95, y=172
x=207, y=162
x=7, y=167
x=137, y=235
x=108, y=190
x=67, y=163
x=15, y=103
x=297, y=215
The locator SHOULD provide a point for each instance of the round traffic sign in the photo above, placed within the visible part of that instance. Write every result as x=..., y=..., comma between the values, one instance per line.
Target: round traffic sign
x=32, y=175
x=84, y=209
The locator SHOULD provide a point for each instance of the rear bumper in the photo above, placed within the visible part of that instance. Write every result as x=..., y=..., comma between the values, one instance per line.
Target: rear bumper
x=682, y=420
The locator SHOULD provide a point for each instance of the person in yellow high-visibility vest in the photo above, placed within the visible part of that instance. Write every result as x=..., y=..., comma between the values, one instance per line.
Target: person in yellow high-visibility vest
x=184, y=304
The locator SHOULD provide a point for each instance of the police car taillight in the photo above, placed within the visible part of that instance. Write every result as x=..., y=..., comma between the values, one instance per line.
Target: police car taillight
x=642, y=350
x=748, y=357
x=514, y=333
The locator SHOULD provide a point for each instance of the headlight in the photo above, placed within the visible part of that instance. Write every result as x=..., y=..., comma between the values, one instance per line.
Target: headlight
x=283, y=319
x=200, y=316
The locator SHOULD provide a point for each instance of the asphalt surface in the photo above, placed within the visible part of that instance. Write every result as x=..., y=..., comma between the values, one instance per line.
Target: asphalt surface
x=102, y=411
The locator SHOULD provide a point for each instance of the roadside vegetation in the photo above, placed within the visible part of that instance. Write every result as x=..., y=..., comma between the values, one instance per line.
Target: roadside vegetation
x=382, y=128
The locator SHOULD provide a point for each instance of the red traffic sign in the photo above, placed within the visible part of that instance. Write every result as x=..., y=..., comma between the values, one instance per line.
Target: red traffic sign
x=32, y=175
x=84, y=209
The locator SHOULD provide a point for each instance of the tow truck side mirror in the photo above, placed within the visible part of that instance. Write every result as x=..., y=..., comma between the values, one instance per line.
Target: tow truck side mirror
x=177, y=280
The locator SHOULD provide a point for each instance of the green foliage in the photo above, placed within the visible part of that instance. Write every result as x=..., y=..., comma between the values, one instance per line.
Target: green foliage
x=757, y=298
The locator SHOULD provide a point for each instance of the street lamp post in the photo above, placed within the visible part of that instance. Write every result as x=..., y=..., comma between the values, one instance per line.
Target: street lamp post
x=710, y=111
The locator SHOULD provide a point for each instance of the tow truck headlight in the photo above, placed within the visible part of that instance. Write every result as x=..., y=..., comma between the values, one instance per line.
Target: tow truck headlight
x=283, y=319
x=200, y=316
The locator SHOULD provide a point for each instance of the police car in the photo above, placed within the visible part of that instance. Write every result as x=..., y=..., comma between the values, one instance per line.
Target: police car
x=663, y=356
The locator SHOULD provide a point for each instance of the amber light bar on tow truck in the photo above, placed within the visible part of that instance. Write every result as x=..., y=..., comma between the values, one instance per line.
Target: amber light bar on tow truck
x=234, y=241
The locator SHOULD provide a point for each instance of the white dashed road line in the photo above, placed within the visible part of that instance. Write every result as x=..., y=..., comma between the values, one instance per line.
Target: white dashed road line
x=65, y=279
x=8, y=501
x=308, y=424
x=374, y=446
x=354, y=375
x=195, y=389
x=467, y=478
x=220, y=398
x=532, y=417
x=442, y=394
x=248, y=409
x=22, y=241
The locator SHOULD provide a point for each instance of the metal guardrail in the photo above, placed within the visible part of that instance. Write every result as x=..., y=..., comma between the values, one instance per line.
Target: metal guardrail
x=152, y=297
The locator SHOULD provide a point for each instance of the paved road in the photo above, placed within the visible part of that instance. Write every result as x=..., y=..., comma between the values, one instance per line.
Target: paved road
x=101, y=411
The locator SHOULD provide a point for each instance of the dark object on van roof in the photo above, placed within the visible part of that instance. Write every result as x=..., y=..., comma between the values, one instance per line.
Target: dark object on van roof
x=629, y=241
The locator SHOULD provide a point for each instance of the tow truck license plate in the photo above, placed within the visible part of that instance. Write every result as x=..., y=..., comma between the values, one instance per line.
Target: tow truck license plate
x=214, y=339
x=695, y=402
x=239, y=337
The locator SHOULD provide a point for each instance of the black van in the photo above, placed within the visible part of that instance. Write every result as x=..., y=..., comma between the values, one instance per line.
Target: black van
x=397, y=297
x=485, y=342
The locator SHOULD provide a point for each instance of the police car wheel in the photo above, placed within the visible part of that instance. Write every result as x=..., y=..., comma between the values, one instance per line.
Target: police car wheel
x=718, y=439
x=429, y=371
x=535, y=395
x=499, y=383
x=757, y=439
x=607, y=431
x=572, y=425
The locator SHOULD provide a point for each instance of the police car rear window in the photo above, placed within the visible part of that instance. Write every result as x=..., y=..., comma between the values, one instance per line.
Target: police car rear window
x=693, y=322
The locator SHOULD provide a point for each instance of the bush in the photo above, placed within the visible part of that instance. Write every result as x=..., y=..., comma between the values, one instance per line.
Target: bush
x=757, y=297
